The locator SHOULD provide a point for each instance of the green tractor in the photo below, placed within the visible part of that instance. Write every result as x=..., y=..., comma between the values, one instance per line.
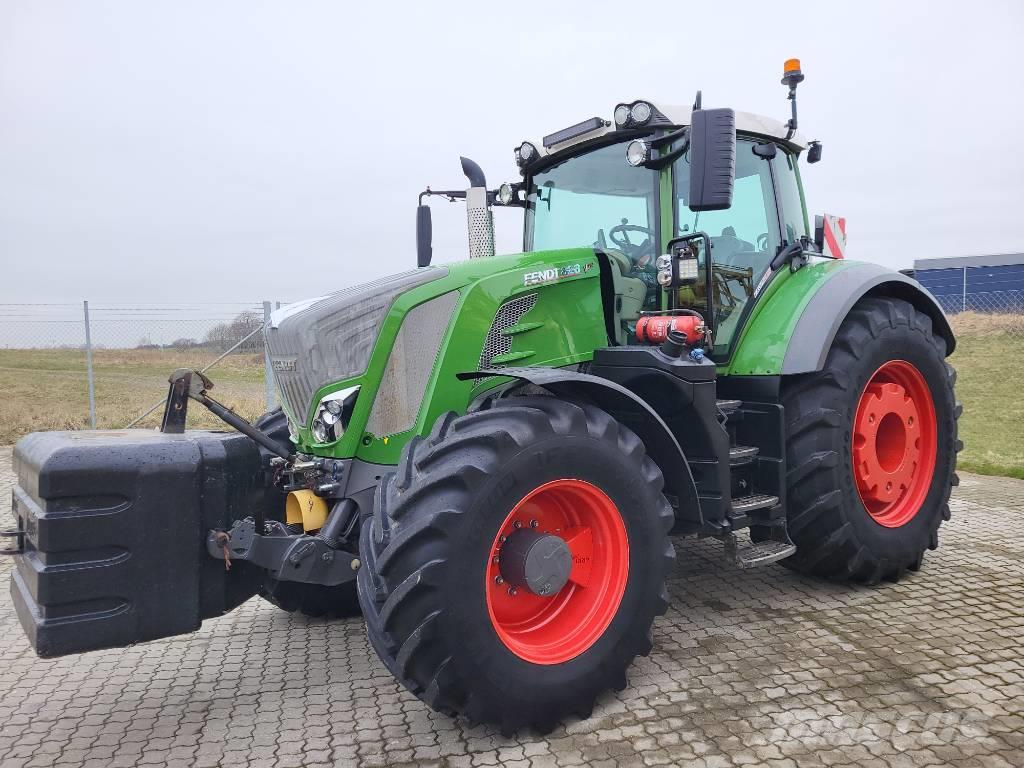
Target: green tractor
x=489, y=458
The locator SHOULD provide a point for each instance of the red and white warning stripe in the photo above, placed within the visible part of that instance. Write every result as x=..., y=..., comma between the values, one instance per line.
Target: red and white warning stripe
x=832, y=235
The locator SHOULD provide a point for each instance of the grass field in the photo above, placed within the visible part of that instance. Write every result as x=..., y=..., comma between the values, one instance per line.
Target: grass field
x=990, y=362
x=46, y=389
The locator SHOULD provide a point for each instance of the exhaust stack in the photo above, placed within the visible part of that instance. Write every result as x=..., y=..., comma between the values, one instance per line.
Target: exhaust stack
x=480, y=220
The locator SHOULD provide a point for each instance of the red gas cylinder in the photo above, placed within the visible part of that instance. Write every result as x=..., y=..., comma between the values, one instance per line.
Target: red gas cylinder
x=653, y=329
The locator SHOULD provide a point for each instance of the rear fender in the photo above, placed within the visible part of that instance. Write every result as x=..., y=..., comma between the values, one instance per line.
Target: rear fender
x=819, y=322
x=661, y=444
x=793, y=331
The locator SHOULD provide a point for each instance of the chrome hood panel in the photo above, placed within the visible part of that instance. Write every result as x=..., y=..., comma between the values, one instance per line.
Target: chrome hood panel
x=324, y=340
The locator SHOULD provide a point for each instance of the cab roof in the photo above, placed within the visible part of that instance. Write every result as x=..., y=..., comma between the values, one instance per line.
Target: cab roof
x=679, y=116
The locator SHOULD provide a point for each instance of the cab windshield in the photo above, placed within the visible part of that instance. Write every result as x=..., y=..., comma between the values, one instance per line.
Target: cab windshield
x=597, y=200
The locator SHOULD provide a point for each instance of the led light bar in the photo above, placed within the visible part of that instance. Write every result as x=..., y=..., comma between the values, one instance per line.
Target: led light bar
x=573, y=131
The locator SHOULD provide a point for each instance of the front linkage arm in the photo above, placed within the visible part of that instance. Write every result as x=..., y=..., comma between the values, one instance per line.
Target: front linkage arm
x=286, y=556
x=187, y=384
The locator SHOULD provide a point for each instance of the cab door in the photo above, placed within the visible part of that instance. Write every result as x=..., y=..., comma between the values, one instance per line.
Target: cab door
x=744, y=238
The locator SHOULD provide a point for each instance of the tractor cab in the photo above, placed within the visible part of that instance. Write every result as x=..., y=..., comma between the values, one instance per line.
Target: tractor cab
x=592, y=195
x=628, y=191
x=659, y=187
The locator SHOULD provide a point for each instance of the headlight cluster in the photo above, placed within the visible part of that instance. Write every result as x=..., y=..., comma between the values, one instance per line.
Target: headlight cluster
x=506, y=193
x=633, y=115
x=526, y=153
x=664, y=265
x=638, y=152
x=333, y=414
x=680, y=268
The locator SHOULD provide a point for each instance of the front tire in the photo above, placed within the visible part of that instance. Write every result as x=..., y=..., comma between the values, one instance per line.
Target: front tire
x=871, y=447
x=466, y=642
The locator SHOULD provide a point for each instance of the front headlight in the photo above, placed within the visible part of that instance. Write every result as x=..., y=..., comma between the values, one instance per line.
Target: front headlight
x=637, y=152
x=641, y=112
x=333, y=414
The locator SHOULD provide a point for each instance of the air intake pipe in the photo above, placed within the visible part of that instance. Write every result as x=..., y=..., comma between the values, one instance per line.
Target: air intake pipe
x=480, y=220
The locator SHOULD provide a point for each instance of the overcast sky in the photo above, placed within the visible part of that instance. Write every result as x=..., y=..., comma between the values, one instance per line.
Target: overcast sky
x=204, y=151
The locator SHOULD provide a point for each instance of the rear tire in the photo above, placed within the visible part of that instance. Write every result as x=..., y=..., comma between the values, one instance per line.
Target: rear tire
x=313, y=600
x=850, y=520
x=427, y=585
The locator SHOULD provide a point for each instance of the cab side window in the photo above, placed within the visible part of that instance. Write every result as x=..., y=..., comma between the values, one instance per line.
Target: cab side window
x=747, y=233
x=794, y=222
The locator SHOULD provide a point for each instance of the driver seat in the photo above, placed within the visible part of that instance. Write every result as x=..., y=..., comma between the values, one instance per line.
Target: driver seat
x=728, y=245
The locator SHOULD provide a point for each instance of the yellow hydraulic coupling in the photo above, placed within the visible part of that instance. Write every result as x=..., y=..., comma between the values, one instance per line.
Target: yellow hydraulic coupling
x=307, y=508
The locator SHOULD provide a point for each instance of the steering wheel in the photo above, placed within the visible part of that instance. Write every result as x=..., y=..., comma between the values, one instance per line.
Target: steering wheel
x=762, y=241
x=619, y=235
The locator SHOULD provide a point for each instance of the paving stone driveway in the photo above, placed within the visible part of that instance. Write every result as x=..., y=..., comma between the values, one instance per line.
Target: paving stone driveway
x=758, y=667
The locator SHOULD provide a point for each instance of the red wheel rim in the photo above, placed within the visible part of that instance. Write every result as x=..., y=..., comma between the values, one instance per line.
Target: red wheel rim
x=894, y=443
x=555, y=629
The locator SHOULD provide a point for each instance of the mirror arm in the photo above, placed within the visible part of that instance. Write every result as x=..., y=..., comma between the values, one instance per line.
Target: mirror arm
x=661, y=141
x=662, y=162
x=785, y=253
x=452, y=195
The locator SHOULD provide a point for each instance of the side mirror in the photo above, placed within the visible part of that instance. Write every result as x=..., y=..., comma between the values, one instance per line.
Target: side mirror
x=814, y=152
x=712, y=159
x=424, y=236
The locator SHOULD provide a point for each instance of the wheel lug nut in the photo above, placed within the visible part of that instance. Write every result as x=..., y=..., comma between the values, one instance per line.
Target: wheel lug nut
x=498, y=580
x=503, y=539
x=517, y=524
x=534, y=523
x=496, y=559
x=512, y=591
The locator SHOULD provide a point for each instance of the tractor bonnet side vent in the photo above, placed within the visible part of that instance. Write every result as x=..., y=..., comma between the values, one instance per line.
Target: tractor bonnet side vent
x=410, y=365
x=508, y=314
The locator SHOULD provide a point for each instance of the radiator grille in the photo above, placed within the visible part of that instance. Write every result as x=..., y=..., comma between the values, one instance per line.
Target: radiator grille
x=410, y=365
x=508, y=314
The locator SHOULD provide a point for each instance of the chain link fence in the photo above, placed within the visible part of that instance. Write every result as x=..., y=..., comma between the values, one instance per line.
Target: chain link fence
x=105, y=366
x=76, y=366
x=998, y=308
x=989, y=361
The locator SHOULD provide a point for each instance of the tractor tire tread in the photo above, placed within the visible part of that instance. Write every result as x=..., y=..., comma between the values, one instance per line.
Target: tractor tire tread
x=818, y=503
x=416, y=511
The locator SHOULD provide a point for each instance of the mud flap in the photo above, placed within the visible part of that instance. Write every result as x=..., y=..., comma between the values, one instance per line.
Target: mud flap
x=114, y=526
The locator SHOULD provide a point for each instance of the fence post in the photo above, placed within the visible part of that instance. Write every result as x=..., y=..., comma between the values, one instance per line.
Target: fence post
x=963, y=302
x=268, y=377
x=88, y=365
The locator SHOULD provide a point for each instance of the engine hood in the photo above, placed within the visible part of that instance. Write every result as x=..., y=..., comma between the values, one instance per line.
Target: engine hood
x=323, y=340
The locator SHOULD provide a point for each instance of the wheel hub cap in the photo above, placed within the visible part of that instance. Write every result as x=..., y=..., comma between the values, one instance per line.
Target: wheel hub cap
x=539, y=562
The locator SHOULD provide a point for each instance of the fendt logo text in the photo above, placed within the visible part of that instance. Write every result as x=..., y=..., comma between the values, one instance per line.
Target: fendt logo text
x=549, y=275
